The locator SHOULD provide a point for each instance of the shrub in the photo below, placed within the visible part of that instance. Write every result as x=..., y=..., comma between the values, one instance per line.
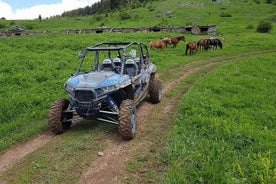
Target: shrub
x=257, y=1
x=264, y=26
x=102, y=24
x=151, y=8
x=98, y=17
x=29, y=26
x=125, y=16
x=12, y=23
x=223, y=14
x=2, y=25
x=269, y=1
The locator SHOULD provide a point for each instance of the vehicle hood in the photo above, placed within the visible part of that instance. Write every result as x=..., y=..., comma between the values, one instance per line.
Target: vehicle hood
x=96, y=79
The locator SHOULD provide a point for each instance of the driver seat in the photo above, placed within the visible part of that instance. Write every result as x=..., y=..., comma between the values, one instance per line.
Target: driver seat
x=131, y=67
x=107, y=65
x=117, y=62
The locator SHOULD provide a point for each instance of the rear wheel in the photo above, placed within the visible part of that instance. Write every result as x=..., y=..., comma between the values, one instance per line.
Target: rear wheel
x=155, y=91
x=57, y=119
x=127, y=119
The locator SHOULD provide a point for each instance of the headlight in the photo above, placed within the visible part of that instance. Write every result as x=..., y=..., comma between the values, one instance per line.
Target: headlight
x=69, y=87
x=104, y=90
x=108, y=88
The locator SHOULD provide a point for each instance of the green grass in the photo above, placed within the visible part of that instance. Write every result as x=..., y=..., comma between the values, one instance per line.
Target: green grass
x=225, y=129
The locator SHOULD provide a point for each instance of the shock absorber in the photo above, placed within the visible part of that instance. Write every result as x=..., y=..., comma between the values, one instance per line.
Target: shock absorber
x=112, y=104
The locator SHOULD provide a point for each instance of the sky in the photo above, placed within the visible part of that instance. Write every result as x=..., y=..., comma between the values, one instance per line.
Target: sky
x=31, y=9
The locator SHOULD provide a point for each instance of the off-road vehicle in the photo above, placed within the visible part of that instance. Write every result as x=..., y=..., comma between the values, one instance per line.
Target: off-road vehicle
x=111, y=80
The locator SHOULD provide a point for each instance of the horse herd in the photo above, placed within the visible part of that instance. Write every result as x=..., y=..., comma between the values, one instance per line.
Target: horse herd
x=191, y=47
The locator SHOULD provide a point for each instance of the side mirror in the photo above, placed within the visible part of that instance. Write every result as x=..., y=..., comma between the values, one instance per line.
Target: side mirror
x=132, y=53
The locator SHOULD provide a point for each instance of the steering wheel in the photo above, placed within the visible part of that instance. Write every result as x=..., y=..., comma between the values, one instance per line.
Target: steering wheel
x=117, y=69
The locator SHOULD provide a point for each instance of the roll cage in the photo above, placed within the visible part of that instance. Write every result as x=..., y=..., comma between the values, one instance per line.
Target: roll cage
x=122, y=50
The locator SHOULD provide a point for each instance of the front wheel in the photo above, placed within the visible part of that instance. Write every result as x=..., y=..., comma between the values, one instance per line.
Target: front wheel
x=57, y=119
x=155, y=91
x=127, y=119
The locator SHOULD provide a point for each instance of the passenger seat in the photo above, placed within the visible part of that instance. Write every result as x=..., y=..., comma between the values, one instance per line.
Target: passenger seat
x=107, y=65
x=131, y=67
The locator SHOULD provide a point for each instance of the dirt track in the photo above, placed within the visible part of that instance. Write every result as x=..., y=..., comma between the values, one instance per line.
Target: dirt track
x=113, y=161
x=106, y=168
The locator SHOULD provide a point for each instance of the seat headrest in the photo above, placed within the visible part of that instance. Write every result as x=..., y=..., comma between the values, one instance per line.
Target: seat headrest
x=130, y=61
x=137, y=59
x=107, y=61
x=116, y=60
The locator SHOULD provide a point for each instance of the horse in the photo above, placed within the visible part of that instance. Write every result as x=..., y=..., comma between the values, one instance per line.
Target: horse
x=175, y=40
x=201, y=44
x=166, y=41
x=192, y=47
x=213, y=43
x=157, y=44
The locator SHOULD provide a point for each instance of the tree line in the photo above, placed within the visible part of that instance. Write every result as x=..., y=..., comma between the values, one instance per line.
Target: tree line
x=105, y=6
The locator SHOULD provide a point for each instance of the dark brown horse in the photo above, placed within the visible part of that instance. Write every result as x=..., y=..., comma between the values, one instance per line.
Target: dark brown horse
x=157, y=44
x=213, y=43
x=175, y=40
x=192, y=47
x=201, y=44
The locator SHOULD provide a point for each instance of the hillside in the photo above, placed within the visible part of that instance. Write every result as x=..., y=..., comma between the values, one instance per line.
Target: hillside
x=215, y=123
x=228, y=16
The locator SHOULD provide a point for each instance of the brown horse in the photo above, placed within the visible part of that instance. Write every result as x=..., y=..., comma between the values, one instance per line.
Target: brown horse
x=201, y=44
x=192, y=47
x=167, y=41
x=157, y=44
x=175, y=40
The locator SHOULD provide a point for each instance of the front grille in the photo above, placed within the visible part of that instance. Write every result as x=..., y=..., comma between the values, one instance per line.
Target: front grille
x=84, y=96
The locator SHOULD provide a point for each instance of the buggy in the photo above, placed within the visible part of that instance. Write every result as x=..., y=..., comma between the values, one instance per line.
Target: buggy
x=111, y=80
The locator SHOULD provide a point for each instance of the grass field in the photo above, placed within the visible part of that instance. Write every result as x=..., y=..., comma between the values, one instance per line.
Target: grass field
x=225, y=127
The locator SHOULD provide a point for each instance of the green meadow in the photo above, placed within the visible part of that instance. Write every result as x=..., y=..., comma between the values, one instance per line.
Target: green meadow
x=224, y=128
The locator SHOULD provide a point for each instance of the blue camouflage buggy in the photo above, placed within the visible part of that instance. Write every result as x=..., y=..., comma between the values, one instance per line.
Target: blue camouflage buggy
x=111, y=80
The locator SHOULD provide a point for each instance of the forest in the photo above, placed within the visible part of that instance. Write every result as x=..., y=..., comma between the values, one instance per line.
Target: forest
x=105, y=6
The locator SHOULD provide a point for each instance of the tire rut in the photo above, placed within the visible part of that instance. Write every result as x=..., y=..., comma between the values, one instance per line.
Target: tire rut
x=15, y=154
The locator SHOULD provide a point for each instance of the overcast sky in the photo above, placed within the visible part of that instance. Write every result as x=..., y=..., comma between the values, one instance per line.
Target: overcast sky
x=31, y=9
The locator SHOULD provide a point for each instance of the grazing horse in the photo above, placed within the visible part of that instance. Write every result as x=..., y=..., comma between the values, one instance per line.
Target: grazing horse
x=175, y=40
x=192, y=47
x=157, y=44
x=166, y=41
x=213, y=43
x=201, y=44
